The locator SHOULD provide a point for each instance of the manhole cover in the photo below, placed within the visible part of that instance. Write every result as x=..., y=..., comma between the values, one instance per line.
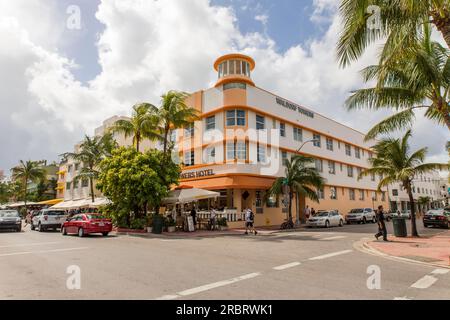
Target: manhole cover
x=420, y=258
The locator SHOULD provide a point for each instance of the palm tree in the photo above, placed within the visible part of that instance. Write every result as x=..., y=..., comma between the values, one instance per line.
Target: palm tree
x=173, y=114
x=400, y=19
x=395, y=163
x=420, y=79
x=25, y=172
x=423, y=201
x=300, y=179
x=90, y=153
x=142, y=124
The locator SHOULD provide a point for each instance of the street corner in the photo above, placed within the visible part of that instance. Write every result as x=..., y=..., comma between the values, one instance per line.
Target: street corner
x=431, y=250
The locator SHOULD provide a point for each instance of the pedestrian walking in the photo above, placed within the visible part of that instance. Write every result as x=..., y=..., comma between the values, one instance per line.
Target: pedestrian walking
x=313, y=212
x=194, y=215
x=307, y=212
x=381, y=224
x=212, y=219
x=250, y=221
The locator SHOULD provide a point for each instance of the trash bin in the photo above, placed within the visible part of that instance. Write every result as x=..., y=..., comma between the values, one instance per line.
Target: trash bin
x=158, y=224
x=399, y=225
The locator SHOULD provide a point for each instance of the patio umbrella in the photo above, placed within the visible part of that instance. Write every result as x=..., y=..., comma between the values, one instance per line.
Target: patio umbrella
x=189, y=194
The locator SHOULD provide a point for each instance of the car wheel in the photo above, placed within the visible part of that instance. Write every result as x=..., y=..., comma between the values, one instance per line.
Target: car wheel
x=40, y=228
x=374, y=220
x=81, y=232
x=19, y=230
x=364, y=220
x=64, y=231
x=327, y=224
x=341, y=223
x=32, y=227
x=105, y=234
x=425, y=225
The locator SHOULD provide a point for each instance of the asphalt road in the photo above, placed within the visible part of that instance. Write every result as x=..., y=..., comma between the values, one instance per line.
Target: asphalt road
x=310, y=264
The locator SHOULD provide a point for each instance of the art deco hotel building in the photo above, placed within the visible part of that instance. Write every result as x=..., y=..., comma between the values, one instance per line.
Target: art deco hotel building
x=245, y=134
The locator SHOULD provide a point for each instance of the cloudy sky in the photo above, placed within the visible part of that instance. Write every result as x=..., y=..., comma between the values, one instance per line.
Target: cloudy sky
x=59, y=82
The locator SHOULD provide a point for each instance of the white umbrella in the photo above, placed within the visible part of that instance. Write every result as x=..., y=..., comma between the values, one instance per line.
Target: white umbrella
x=99, y=202
x=189, y=195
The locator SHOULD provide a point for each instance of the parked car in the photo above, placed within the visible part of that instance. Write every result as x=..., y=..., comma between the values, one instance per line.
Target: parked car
x=326, y=219
x=48, y=219
x=390, y=214
x=437, y=218
x=10, y=220
x=86, y=223
x=405, y=214
x=361, y=215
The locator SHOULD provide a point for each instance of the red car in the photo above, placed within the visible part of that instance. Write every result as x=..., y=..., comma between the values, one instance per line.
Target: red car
x=87, y=223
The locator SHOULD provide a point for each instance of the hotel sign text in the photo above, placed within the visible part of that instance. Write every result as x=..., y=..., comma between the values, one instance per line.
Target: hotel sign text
x=197, y=174
x=294, y=107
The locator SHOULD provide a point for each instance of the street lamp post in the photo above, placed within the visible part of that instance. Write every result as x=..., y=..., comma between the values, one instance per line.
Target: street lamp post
x=297, y=202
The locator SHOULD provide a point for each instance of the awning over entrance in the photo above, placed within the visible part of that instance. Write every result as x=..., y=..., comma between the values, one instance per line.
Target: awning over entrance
x=19, y=204
x=50, y=202
x=232, y=181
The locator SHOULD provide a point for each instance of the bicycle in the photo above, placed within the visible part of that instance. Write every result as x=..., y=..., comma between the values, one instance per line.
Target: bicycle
x=289, y=224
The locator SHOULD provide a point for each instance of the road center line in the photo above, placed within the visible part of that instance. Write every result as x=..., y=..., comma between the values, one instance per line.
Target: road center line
x=424, y=282
x=218, y=284
x=332, y=238
x=41, y=251
x=329, y=255
x=287, y=266
x=440, y=271
x=29, y=244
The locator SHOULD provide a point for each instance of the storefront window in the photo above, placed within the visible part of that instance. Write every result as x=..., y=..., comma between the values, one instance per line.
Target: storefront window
x=258, y=199
x=272, y=201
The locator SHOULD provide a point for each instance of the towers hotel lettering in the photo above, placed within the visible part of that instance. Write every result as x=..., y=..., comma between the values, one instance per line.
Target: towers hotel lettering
x=197, y=174
x=294, y=107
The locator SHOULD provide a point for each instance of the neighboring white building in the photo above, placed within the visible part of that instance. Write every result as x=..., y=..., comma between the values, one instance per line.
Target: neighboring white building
x=425, y=185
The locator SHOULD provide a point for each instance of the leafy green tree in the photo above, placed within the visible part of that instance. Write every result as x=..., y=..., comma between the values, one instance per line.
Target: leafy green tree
x=420, y=79
x=174, y=114
x=90, y=153
x=401, y=22
x=142, y=125
x=395, y=162
x=301, y=179
x=424, y=201
x=5, y=192
x=134, y=182
x=26, y=172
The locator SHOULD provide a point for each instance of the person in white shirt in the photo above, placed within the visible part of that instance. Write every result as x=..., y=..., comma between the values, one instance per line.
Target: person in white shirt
x=249, y=222
x=212, y=219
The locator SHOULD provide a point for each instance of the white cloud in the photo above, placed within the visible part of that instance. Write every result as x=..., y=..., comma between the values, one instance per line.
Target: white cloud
x=147, y=48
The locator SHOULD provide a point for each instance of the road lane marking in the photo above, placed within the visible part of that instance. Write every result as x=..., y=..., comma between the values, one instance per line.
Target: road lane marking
x=218, y=284
x=402, y=298
x=440, y=271
x=329, y=255
x=41, y=251
x=424, y=282
x=168, y=297
x=332, y=238
x=287, y=266
x=29, y=244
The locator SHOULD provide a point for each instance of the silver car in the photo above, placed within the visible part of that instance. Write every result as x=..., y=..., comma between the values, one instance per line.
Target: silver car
x=326, y=219
x=361, y=215
x=48, y=219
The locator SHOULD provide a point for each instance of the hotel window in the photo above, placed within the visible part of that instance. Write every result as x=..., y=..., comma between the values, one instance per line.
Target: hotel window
x=232, y=64
x=244, y=67
x=331, y=167
x=189, y=158
x=260, y=122
x=84, y=183
x=237, y=151
x=77, y=166
x=221, y=70
x=225, y=68
x=383, y=196
x=351, y=194
x=211, y=123
x=283, y=129
x=69, y=168
x=189, y=131
x=258, y=200
x=210, y=155
x=284, y=158
x=173, y=136
x=261, y=153
x=358, y=171
x=235, y=118
x=361, y=195
x=234, y=85
x=414, y=189
x=68, y=185
x=319, y=165
x=321, y=193
x=348, y=150
x=358, y=153
x=350, y=171
x=374, y=196
x=333, y=193
x=330, y=145
x=298, y=134
x=317, y=140
x=370, y=155
x=372, y=176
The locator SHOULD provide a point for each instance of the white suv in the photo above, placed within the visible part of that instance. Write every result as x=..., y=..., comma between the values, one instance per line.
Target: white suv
x=48, y=219
x=361, y=215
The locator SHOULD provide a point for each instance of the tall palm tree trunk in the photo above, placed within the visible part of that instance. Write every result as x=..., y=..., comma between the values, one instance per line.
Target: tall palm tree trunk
x=442, y=23
x=166, y=135
x=91, y=182
x=25, y=192
x=414, y=232
x=290, y=206
x=297, y=207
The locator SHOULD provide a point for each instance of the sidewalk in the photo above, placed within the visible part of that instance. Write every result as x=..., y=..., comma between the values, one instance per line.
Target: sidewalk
x=432, y=249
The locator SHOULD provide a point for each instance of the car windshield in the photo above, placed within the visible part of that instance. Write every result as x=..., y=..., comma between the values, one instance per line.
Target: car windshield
x=323, y=214
x=54, y=213
x=9, y=214
x=357, y=211
x=94, y=216
x=435, y=212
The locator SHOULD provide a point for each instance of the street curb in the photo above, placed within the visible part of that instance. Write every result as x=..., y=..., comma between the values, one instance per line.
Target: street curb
x=364, y=246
